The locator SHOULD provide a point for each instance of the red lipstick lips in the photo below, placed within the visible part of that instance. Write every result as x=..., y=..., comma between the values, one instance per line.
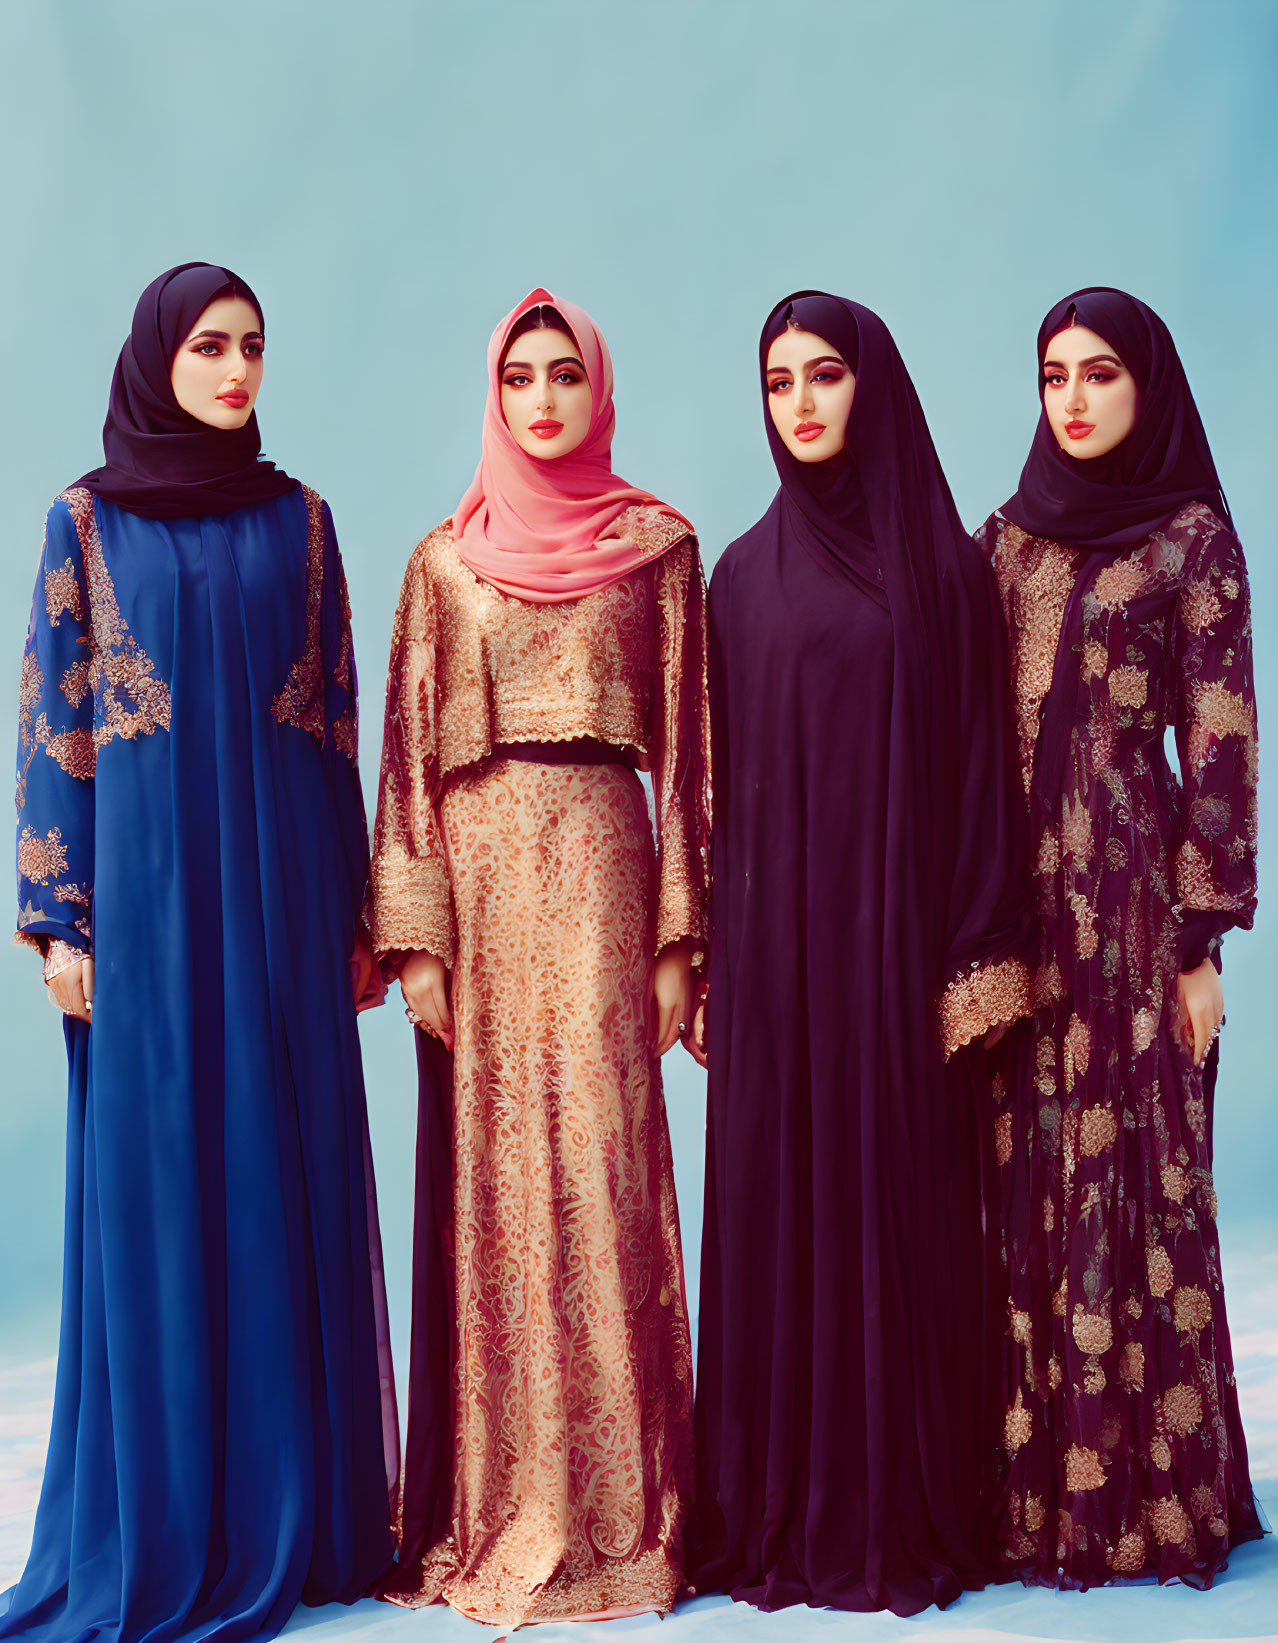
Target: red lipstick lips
x=809, y=430
x=545, y=429
x=1079, y=430
x=236, y=399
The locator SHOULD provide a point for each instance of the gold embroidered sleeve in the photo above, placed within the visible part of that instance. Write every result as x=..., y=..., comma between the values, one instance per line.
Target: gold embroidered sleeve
x=410, y=905
x=1215, y=735
x=56, y=748
x=976, y=1000
x=679, y=739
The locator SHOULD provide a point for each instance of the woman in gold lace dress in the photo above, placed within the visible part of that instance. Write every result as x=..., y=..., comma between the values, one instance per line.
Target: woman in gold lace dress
x=550, y=639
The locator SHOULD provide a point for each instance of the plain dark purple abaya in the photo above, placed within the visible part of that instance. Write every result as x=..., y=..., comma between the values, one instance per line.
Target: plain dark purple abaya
x=868, y=885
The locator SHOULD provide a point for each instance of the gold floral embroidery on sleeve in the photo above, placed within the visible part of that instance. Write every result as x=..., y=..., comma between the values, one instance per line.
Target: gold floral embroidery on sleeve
x=301, y=702
x=410, y=905
x=74, y=684
x=1217, y=712
x=979, y=999
x=41, y=858
x=129, y=700
x=75, y=750
x=681, y=777
x=1196, y=885
x=62, y=593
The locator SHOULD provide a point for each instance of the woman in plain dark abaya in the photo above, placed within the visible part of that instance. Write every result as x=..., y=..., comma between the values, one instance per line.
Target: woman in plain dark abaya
x=1126, y=599
x=192, y=856
x=868, y=916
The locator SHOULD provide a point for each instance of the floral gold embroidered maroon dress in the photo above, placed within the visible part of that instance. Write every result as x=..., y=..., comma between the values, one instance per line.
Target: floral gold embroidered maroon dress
x=1123, y=1453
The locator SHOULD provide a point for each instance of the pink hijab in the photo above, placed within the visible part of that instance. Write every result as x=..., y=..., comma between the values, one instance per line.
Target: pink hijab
x=546, y=531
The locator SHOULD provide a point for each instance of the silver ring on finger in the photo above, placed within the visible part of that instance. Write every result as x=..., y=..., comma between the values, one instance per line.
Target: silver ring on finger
x=412, y=1015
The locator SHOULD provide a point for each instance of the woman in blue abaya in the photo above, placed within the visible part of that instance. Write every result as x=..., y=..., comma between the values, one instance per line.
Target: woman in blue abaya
x=192, y=857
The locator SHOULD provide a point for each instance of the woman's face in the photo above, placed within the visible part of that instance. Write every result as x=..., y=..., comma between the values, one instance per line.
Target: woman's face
x=1089, y=394
x=217, y=371
x=545, y=394
x=810, y=388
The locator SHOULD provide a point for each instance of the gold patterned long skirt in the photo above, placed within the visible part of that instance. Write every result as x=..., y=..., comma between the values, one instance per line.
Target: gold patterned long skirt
x=574, y=1394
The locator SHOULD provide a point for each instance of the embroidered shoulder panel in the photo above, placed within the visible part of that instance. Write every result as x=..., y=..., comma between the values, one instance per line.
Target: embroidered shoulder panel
x=652, y=528
x=301, y=702
x=129, y=700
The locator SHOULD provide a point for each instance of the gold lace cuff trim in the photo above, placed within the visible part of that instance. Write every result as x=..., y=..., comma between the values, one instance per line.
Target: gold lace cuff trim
x=410, y=906
x=979, y=999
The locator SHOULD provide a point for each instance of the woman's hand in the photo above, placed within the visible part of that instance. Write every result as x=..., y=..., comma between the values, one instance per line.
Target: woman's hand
x=423, y=980
x=695, y=1039
x=367, y=986
x=672, y=994
x=72, y=990
x=1203, y=1004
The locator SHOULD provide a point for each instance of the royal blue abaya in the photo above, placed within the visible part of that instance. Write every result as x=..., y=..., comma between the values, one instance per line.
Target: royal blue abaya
x=190, y=804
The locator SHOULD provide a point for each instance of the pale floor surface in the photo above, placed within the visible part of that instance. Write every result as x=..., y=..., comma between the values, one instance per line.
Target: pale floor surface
x=1242, y=1604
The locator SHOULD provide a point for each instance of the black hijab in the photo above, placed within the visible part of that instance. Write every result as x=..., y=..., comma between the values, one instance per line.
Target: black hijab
x=161, y=462
x=881, y=514
x=881, y=510
x=1114, y=502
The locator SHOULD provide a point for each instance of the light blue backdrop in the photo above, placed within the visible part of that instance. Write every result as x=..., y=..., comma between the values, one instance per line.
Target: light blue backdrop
x=393, y=177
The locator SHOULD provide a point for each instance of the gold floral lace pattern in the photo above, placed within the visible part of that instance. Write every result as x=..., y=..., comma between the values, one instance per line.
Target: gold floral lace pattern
x=981, y=998
x=41, y=857
x=1123, y=1451
x=75, y=750
x=128, y=698
x=301, y=701
x=1035, y=580
x=346, y=725
x=472, y=667
x=62, y=593
x=575, y=1377
x=60, y=956
x=410, y=905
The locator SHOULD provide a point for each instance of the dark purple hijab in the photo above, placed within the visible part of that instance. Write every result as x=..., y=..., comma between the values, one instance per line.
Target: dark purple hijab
x=1115, y=501
x=882, y=513
x=161, y=462
x=1109, y=505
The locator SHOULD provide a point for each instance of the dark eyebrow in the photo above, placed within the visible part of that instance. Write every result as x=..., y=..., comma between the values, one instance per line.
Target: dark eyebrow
x=568, y=359
x=225, y=336
x=1096, y=359
x=821, y=359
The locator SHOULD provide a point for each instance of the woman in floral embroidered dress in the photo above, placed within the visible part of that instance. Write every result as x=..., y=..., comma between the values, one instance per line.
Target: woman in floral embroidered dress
x=191, y=856
x=550, y=637
x=1125, y=594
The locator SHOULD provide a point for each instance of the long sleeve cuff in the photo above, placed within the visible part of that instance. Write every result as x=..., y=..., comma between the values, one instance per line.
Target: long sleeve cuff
x=410, y=906
x=984, y=997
